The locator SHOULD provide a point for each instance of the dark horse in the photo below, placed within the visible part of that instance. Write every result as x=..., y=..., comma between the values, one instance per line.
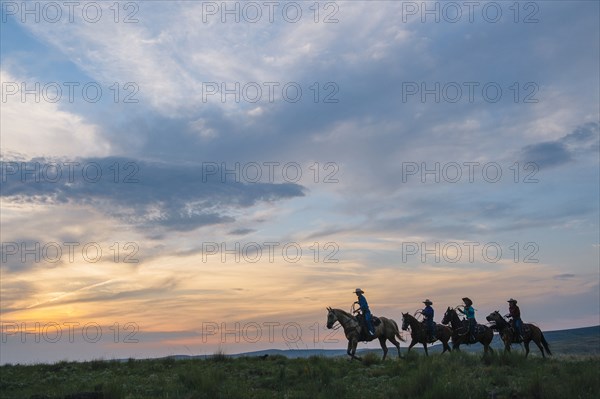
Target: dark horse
x=419, y=333
x=386, y=330
x=460, y=331
x=509, y=336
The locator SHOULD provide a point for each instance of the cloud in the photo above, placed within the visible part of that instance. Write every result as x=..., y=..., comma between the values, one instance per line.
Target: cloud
x=584, y=138
x=564, y=276
x=547, y=154
x=44, y=128
x=151, y=196
x=241, y=232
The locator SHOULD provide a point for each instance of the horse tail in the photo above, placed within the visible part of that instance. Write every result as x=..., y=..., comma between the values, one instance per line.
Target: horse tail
x=397, y=330
x=545, y=343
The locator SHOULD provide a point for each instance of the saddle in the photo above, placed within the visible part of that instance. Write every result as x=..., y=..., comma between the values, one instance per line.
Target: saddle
x=430, y=338
x=464, y=331
x=525, y=329
x=364, y=330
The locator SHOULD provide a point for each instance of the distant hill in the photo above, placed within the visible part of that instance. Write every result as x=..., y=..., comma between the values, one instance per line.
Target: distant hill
x=578, y=341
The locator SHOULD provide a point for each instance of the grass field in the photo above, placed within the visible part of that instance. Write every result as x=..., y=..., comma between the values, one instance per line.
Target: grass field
x=456, y=375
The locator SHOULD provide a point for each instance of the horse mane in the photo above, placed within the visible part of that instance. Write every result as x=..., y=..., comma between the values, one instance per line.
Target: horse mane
x=501, y=321
x=452, y=311
x=411, y=316
x=345, y=313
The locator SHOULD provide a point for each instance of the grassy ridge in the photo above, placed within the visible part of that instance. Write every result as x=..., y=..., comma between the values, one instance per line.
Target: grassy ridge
x=415, y=376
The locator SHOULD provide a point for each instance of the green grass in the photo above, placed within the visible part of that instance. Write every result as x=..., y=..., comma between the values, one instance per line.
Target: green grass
x=458, y=375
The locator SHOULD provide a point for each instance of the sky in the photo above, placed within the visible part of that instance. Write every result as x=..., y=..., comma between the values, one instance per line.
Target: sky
x=192, y=177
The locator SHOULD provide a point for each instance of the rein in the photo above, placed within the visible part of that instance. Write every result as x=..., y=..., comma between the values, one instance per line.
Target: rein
x=417, y=324
x=337, y=325
x=341, y=324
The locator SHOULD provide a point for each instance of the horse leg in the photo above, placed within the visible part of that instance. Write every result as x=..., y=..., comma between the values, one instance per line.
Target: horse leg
x=539, y=345
x=383, y=347
x=506, y=344
x=349, y=351
x=412, y=343
x=396, y=344
x=487, y=342
x=447, y=346
x=456, y=343
x=425, y=347
x=526, y=343
x=352, y=344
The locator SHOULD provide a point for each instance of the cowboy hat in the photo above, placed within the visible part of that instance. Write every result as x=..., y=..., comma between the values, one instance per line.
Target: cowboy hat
x=512, y=300
x=427, y=302
x=358, y=291
x=467, y=301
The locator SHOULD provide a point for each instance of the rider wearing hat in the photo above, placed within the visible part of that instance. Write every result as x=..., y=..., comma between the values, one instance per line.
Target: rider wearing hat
x=364, y=307
x=515, y=313
x=470, y=313
x=427, y=313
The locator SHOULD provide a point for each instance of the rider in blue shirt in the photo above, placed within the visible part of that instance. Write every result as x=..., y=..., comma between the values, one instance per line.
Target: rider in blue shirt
x=364, y=307
x=427, y=313
x=470, y=313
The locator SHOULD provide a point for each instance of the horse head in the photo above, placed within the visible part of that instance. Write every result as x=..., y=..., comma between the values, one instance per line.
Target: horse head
x=405, y=321
x=448, y=315
x=331, y=317
x=495, y=317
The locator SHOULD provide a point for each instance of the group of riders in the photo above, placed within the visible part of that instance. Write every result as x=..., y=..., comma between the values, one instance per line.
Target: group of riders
x=514, y=313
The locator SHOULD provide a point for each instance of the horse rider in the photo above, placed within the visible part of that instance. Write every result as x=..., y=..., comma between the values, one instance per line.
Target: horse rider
x=515, y=314
x=470, y=313
x=364, y=308
x=427, y=313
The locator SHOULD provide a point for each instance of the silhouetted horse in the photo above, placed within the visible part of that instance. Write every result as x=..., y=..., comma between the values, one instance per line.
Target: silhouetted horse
x=386, y=330
x=460, y=331
x=509, y=336
x=420, y=335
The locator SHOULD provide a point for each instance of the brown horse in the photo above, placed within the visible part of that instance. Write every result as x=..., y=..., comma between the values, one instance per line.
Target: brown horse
x=419, y=334
x=529, y=332
x=386, y=330
x=460, y=331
